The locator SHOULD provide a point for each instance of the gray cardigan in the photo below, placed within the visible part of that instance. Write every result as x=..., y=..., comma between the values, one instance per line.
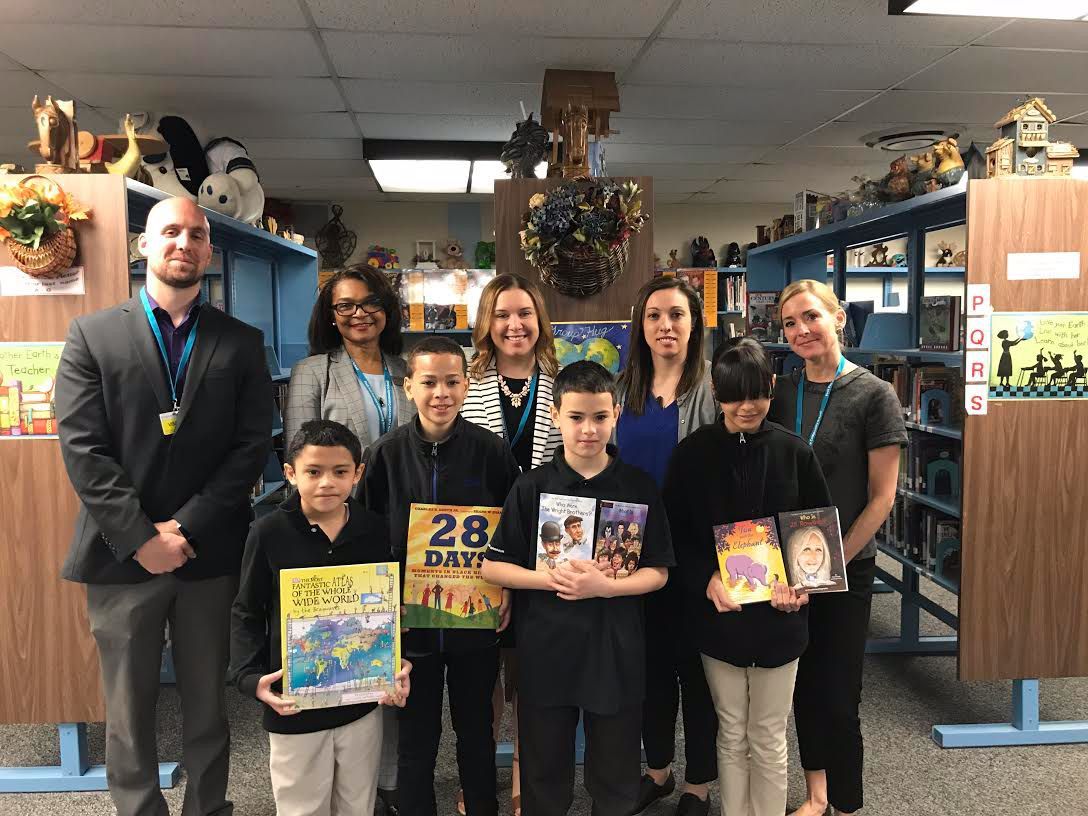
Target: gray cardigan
x=324, y=386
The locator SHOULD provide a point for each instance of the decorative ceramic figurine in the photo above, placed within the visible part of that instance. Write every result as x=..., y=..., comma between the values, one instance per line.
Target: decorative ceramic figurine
x=949, y=164
x=673, y=262
x=945, y=252
x=58, y=135
x=526, y=149
x=898, y=259
x=896, y=185
x=575, y=141
x=732, y=255
x=701, y=253
x=879, y=256
x=922, y=165
x=1025, y=149
x=455, y=255
x=960, y=259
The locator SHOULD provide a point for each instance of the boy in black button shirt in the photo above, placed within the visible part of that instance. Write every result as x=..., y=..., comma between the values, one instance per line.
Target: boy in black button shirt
x=322, y=761
x=581, y=643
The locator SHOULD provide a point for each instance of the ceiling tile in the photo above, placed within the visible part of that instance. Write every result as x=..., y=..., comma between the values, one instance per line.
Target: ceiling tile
x=674, y=186
x=651, y=154
x=963, y=108
x=756, y=192
x=559, y=17
x=158, y=50
x=703, y=131
x=858, y=22
x=747, y=104
x=673, y=170
x=461, y=58
x=436, y=126
x=1041, y=34
x=316, y=148
x=193, y=95
x=764, y=65
x=8, y=64
x=272, y=125
x=849, y=134
x=19, y=88
x=247, y=13
x=456, y=98
x=983, y=68
x=305, y=170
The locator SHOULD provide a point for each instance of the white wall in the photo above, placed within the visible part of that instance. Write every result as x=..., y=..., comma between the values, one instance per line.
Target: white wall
x=397, y=225
x=676, y=225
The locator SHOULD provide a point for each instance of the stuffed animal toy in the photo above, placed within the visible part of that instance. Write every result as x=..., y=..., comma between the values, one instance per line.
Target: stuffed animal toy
x=701, y=253
x=945, y=253
x=179, y=171
x=232, y=187
x=454, y=255
x=674, y=262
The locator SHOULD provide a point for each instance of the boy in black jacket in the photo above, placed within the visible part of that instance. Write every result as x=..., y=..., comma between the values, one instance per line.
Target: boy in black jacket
x=440, y=458
x=322, y=761
x=580, y=631
x=743, y=467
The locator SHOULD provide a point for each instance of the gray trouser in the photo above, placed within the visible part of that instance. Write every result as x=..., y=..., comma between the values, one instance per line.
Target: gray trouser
x=128, y=622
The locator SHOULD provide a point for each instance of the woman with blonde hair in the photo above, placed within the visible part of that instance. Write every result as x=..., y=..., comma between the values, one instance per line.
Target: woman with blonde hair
x=853, y=421
x=510, y=394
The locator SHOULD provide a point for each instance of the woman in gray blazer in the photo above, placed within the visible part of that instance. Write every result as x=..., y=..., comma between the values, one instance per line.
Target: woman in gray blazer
x=355, y=376
x=666, y=394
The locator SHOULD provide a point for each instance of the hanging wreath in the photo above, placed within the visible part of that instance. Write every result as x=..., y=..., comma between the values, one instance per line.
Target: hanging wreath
x=577, y=235
x=35, y=224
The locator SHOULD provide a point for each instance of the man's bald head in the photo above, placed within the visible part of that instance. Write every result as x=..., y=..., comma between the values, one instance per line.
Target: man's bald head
x=177, y=242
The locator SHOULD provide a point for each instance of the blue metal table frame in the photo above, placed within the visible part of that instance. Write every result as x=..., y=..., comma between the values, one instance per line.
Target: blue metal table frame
x=75, y=772
x=1023, y=729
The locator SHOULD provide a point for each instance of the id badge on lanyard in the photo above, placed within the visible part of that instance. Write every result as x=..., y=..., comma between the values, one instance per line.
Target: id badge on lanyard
x=168, y=420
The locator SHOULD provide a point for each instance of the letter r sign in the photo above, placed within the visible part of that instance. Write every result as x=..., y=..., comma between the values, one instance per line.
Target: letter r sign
x=978, y=367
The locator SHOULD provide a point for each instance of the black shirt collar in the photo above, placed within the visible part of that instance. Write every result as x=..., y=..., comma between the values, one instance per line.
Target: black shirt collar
x=572, y=478
x=355, y=527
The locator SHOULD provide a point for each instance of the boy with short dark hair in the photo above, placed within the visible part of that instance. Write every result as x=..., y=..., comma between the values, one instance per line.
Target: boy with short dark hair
x=440, y=458
x=581, y=642
x=321, y=761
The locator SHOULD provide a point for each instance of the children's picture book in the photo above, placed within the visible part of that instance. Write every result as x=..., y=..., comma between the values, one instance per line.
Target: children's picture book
x=443, y=588
x=763, y=321
x=939, y=323
x=619, y=536
x=749, y=559
x=564, y=529
x=602, y=341
x=340, y=630
x=813, y=550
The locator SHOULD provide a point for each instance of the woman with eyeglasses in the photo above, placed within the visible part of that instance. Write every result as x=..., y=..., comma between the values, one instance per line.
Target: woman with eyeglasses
x=355, y=376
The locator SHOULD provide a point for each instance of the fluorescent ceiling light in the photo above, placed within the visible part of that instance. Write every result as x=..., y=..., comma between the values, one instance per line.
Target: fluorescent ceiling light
x=484, y=174
x=421, y=175
x=1038, y=10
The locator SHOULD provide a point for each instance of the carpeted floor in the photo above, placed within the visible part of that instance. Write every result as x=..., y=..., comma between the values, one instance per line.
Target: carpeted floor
x=906, y=773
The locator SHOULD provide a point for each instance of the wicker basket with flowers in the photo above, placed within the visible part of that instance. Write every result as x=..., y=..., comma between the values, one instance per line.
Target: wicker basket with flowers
x=36, y=218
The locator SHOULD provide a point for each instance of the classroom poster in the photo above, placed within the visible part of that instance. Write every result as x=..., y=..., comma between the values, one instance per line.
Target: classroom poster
x=28, y=376
x=1038, y=355
x=443, y=588
x=602, y=341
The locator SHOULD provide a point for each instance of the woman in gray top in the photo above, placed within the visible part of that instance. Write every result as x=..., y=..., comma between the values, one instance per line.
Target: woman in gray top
x=355, y=376
x=854, y=422
x=666, y=394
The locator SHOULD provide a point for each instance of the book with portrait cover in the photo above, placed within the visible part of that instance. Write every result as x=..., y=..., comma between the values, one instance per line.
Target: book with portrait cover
x=763, y=319
x=443, y=588
x=564, y=529
x=749, y=559
x=340, y=630
x=812, y=542
x=619, y=536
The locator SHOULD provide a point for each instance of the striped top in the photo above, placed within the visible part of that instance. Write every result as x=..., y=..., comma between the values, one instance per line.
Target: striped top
x=483, y=407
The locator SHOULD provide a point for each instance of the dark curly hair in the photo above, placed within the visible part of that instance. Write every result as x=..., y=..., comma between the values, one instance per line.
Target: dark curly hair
x=323, y=334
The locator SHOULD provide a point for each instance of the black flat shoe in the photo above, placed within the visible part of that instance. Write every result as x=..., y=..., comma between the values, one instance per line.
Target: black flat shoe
x=649, y=791
x=692, y=805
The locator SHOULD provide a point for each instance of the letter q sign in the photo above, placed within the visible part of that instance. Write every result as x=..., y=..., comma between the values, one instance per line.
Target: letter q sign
x=978, y=333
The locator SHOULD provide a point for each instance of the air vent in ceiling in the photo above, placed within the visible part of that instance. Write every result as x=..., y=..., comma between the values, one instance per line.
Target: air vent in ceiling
x=909, y=137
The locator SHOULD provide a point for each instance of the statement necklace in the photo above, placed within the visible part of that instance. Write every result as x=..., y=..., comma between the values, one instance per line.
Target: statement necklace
x=515, y=399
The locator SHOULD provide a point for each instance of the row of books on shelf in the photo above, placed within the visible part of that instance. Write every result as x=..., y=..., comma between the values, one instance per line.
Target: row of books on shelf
x=926, y=537
x=930, y=393
x=930, y=465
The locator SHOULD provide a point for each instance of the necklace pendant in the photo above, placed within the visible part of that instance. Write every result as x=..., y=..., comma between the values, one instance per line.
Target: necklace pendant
x=515, y=400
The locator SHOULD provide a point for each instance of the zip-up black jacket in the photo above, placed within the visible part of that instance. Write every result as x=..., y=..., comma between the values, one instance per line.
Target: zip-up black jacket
x=715, y=477
x=283, y=540
x=471, y=467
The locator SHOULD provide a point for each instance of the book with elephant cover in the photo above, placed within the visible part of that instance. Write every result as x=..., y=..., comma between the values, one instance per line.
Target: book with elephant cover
x=340, y=630
x=812, y=543
x=443, y=588
x=749, y=559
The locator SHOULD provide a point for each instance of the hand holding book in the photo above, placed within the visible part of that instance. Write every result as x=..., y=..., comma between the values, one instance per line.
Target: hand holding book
x=717, y=595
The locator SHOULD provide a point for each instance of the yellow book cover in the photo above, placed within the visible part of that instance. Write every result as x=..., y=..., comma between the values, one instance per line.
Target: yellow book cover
x=340, y=630
x=749, y=559
x=443, y=588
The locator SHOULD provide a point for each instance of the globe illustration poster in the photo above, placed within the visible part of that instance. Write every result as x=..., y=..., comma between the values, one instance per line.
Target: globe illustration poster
x=602, y=341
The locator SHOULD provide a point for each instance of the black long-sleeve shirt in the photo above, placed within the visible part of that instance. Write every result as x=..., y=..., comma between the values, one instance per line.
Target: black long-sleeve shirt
x=716, y=477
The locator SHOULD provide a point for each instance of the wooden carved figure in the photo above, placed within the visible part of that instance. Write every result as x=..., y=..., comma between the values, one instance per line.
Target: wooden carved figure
x=949, y=164
x=923, y=167
x=575, y=141
x=879, y=256
x=57, y=135
x=896, y=185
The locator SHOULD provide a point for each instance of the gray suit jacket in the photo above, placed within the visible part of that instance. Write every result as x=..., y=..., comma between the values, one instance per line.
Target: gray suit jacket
x=324, y=386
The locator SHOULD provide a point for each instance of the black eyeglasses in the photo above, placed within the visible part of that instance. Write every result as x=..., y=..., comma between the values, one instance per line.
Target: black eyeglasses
x=347, y=308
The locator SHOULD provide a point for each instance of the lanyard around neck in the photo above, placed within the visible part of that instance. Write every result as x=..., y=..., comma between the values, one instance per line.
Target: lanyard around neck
x=823, y=402
x=385, y=411
x=175, y=378
x=524, y=413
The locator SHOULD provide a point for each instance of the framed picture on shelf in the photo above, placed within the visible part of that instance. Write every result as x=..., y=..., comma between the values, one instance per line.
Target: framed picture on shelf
x=425, y=252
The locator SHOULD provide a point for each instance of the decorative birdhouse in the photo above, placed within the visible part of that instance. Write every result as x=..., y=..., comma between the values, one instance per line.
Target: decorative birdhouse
x=1024, y=148
x=576, y=105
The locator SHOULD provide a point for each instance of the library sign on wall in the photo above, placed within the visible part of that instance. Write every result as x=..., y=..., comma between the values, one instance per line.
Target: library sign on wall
x=28, y=377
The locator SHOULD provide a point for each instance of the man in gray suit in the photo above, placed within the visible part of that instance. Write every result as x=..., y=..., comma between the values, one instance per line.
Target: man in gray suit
x=165, y=424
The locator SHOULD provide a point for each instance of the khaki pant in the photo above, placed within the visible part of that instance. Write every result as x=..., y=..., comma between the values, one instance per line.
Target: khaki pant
x=327, y=773
x=753, y=707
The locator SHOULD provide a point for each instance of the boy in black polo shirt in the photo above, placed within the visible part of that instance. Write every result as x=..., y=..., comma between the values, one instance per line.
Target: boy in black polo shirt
x=322, y=761
x=580, y=636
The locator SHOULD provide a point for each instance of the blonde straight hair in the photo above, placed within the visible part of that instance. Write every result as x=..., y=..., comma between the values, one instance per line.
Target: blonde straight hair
x=481, y=333
x=820, y=290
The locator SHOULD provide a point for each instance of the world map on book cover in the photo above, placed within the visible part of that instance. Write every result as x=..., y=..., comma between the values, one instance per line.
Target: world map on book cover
x=749, y=559
x=602, y=341
x=340, y=630
x=443, y=588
